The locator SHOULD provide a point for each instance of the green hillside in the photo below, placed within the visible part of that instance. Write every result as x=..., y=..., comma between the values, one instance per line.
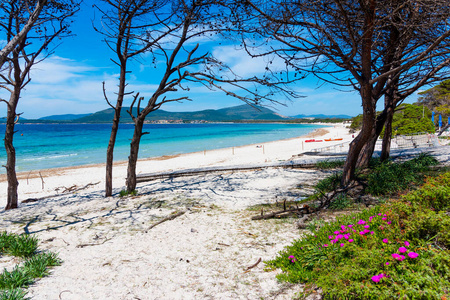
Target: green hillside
x=241, y=112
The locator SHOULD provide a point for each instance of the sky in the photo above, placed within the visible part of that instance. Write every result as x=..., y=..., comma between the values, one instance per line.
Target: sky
x=70, y=80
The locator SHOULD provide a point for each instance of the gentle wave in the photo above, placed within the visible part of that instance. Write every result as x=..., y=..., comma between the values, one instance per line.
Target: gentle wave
x=49, y=157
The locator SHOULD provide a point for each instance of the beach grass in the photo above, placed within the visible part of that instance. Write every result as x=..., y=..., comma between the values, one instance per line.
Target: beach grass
x=330, y=164
x=397, y=249
x=35, y=264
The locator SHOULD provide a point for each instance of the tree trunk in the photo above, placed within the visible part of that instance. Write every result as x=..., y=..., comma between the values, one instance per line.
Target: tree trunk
x=114, y=129
x=391, y=100
x=134, y=151
x=357, y=145
x=368, y=101
x=13, y=184
x=369, y=148
x=386, y=146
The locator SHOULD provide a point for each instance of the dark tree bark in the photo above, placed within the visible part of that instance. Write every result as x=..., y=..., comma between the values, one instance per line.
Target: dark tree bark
x=12, y=197
x=366, y=91
x=114, y=129
x=368, y=149
x=134, y=153
x=390, y=104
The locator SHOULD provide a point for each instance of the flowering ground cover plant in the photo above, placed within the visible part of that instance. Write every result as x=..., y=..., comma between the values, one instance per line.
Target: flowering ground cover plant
x=400, y=249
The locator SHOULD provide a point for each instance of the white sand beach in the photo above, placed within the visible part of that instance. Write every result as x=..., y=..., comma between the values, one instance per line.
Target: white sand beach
x=110, y=251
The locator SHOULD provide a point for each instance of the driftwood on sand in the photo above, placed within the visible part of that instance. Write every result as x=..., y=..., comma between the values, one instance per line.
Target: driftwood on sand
x=171, y=217
x=74, y=188
x=300, y=211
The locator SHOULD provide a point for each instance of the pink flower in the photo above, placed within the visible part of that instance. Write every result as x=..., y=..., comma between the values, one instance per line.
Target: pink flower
x=342, y=245
x=406, y=243
x=292, y=258
x=325, y=245
x=376, y=278
x=339, y=236
x=372, y=232
x=350, y=240
x=361, y=222
x=336, y=232
x=380, y=214
x=385, y=241
x=331, y=237
x=346, y=236
x=387, y=264
x=402, y=249
x=367, y=226
x=398, y=257
x=413, y=254
x=350, y=226
x=384, y=219
x=389, y=223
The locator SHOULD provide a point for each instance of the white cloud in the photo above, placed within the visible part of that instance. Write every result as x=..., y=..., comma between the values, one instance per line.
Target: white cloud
x=57, y=70
x=244, y=65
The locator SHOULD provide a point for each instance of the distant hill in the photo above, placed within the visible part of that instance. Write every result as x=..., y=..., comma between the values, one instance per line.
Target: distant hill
x=321, y=116
x=68, y=117
x=241, y=112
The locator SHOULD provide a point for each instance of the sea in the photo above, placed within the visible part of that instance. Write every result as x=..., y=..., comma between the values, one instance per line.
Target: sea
x=43, y=146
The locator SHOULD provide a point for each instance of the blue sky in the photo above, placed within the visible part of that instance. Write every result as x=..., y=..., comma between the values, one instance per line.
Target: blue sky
x=70, y=80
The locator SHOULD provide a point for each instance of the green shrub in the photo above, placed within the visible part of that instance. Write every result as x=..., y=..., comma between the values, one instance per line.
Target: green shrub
x=125, y=193
x=329, y=183
x=435, y=193
x=341, y=201
x=398, y=250
x=330, y=164
x=389, y=178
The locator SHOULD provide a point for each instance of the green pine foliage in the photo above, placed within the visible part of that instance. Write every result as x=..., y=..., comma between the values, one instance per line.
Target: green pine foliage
x=396, y=250
x=410, y=118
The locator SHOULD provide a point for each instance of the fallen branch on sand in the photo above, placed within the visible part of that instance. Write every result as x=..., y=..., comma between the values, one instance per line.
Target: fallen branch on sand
x=171, y=217
x=283, y=213
x=254, y=265
x=96, y=244
x=71, y=189
x=75, y=188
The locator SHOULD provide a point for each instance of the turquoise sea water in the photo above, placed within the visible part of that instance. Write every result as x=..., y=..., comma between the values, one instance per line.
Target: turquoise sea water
x=42, y=146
